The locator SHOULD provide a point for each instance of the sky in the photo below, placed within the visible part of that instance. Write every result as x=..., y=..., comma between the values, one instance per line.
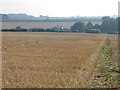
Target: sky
x=61, y=8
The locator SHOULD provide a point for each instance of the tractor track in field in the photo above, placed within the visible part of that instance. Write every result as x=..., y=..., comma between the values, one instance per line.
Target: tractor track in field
x=105, y=74
x=87, y=70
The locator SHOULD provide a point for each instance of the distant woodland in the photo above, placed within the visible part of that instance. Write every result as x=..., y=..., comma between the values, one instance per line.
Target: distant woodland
x=30, y=18
x=108, y=24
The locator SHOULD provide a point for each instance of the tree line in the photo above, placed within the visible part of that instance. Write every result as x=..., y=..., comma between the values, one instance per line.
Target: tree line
x=109, y=25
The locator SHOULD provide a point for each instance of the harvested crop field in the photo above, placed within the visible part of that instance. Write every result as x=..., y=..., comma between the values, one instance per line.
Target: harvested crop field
x=44, y=25
x=49, y=60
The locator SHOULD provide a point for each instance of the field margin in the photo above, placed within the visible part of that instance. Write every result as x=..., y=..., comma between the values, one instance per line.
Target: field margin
x=106, y=73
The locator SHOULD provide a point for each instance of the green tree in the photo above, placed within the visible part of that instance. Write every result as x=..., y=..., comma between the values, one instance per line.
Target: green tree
x=89, y=25
x=78, y=27
x=109, y=25
x=96, y=26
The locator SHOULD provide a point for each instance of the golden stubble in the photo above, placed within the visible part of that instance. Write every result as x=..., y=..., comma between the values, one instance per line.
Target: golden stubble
x=48, y=59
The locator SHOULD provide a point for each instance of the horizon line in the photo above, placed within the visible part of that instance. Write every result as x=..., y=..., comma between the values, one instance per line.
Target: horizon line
x=64, y=16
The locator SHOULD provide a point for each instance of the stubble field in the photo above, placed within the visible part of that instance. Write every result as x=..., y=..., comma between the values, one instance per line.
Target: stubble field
x=49, y=60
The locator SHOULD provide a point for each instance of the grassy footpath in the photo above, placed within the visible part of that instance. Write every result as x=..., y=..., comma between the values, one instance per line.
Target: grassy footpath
x=105, y=74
